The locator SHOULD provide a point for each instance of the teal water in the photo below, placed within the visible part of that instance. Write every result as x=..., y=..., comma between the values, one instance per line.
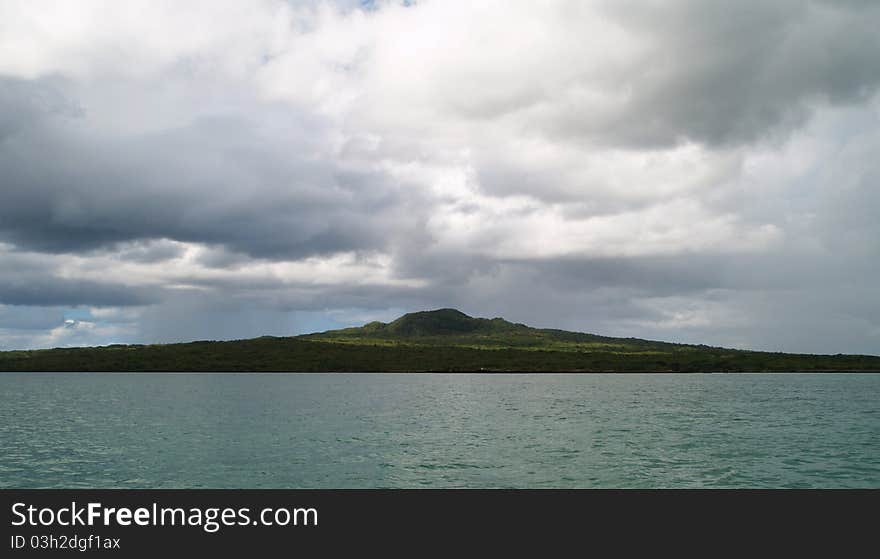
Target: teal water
x=392, y=430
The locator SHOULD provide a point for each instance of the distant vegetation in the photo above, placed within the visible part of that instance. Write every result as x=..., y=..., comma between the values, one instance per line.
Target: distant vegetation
x=441, y=340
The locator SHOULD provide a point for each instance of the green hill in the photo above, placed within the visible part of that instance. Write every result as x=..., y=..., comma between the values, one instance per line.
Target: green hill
x=440, y=340
x=450, y=327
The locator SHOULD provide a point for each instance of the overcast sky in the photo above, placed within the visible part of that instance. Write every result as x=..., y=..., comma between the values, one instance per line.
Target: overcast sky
x=697, y=171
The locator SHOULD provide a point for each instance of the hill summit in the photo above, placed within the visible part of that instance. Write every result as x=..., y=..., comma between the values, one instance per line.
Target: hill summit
x=443, y=327
x=451, y=327
x=442, y=322
x=433, y=323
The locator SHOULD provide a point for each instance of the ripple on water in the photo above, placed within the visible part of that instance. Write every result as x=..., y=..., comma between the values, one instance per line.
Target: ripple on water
x=374, y=430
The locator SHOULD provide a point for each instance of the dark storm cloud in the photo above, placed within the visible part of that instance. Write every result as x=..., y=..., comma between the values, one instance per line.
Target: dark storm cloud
x=256, y=183
x=28, y=279
x=71, y=292
x=688, y=273
x=726, y=73
x=25, y=103
x=29, y=318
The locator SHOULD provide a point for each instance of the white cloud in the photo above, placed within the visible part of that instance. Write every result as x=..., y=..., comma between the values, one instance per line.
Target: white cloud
x=96, y=39
x=314, y=155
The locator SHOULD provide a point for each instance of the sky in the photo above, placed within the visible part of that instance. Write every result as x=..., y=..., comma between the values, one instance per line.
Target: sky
x=697, y=171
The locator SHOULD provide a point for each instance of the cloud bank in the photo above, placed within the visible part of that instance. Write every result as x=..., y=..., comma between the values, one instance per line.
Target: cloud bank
x=692, y=171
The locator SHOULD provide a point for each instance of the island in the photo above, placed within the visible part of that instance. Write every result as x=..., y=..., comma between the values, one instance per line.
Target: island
x=444, y=340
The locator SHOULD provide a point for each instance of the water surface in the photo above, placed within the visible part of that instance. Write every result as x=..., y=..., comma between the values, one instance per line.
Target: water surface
x=252, y=430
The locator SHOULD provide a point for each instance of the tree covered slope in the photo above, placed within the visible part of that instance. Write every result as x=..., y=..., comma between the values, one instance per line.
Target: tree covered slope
x=440, y=340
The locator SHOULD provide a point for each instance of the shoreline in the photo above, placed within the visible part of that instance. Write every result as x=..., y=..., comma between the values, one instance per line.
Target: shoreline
x=468, y=372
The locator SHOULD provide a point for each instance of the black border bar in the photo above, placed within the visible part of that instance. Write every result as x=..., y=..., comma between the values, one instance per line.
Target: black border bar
x=377, y=521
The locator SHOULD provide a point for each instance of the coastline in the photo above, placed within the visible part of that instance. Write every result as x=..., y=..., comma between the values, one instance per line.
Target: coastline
x=461, y=372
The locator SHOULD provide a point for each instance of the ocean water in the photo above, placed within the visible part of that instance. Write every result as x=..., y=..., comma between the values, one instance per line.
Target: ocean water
x=145, y=430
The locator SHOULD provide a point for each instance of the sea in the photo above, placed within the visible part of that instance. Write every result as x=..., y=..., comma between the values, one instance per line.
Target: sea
x=375, y=430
